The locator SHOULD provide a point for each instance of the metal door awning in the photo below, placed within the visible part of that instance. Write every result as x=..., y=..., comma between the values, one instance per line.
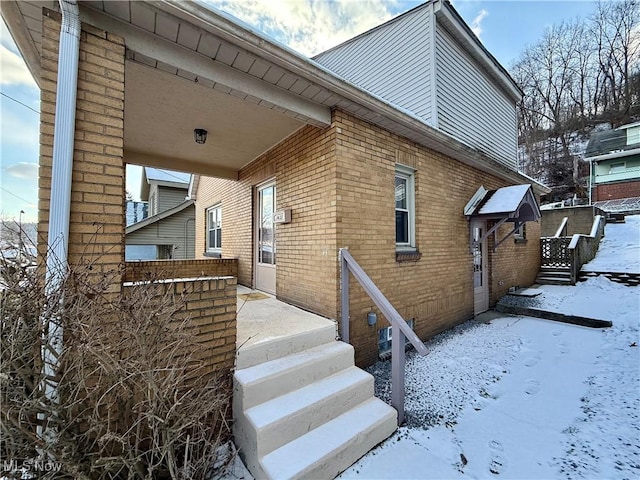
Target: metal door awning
x=516, y=204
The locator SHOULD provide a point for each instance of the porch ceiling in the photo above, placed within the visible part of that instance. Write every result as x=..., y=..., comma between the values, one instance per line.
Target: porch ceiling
x=162, y=110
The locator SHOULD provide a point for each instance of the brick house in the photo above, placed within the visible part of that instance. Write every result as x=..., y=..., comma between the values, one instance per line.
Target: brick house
x=408, y=160
x=332, y=140
x=614, y=158
x=334, y=187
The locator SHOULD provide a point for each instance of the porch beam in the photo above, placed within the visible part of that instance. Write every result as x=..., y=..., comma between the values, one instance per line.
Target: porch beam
x=180, y=164
x=200, y=65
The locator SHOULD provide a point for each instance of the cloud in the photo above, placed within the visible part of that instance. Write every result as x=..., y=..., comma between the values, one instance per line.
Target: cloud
x=14, y=71
x=476, y=24
x=309, y=26
x=25, y=170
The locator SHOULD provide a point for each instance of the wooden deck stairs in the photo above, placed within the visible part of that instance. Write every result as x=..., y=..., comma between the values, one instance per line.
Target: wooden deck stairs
x=554, y=276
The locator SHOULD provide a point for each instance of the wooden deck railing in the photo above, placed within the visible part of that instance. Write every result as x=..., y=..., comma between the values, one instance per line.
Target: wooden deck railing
x=555, y=252
x=572, y=252
x=400, y=328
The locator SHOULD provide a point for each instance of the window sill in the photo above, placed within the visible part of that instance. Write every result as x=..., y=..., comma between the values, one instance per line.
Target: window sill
x=407, y=256
x=520, y=241
x=211, y=254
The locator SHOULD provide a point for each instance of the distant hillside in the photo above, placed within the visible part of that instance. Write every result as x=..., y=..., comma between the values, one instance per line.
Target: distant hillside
x=579, y=77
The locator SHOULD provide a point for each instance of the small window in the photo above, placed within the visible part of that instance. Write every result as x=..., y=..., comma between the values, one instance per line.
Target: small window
x=214, y=229
x=520, y=235
x=385, y=339
x=405, y=207
x=618, y=167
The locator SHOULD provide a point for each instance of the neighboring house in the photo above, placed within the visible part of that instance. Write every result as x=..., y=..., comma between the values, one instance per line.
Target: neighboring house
x=392, y=191
x=168, y=232
x=614, y=157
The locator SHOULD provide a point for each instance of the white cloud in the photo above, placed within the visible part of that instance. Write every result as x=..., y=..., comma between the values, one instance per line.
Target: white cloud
x=309, y=26
x=26, y=170
x=14, y=71
x=476, y=24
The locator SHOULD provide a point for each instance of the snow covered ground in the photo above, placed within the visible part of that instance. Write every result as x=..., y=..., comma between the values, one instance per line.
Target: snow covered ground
x=618, y=250
x=519, y=397
x=525, y=398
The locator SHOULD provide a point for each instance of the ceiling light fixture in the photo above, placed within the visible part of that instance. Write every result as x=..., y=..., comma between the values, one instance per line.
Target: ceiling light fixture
x=200, y=134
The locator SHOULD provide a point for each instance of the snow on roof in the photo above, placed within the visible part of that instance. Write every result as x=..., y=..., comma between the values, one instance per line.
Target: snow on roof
x=156, y=174
x=506, y=199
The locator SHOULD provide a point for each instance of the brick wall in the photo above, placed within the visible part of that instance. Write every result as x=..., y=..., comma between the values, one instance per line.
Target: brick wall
x=157, y=269
x=615, y=191
x=339, y=184
x=436, y=290
x=96, y=230
x=210, y=313
x=514, y=263
x=304, y=170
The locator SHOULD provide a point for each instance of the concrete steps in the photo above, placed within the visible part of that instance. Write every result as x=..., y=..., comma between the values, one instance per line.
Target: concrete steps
x=335, y=446
x=554, y=276
x=306, y=411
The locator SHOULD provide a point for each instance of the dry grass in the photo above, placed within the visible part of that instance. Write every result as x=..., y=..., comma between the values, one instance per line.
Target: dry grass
x=132, y=399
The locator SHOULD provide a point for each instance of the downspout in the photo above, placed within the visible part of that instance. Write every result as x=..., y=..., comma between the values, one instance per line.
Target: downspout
x=590, y=182
x=60, y=202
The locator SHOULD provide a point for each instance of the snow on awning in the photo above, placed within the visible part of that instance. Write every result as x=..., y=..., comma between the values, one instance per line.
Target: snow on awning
x=516, y=204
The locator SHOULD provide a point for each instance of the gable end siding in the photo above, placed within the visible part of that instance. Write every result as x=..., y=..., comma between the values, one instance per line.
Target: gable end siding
x=393, y=62
x=169, y=197
x=470, y=106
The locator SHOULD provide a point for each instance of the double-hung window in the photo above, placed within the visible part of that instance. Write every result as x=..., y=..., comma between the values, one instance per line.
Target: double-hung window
x=214, y=229
x=405, y=207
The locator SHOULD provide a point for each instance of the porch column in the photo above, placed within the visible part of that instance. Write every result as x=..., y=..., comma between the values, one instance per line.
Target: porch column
x=97, y=220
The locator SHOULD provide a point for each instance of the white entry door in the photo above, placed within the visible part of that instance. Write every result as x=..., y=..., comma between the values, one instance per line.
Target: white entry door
x=265, y=272
x=480, y=273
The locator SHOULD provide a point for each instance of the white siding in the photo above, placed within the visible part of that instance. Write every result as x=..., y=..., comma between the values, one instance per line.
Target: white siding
x=393, y=61
x=470, y=106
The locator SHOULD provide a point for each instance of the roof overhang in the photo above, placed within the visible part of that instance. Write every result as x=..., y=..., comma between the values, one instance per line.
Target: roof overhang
x=451, y=20
x=614, y=155
x=160, y=216
x=189, y=66
x=514, y=204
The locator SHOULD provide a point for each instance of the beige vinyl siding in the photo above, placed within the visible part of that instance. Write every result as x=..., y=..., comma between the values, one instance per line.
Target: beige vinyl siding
x=177, y=230
x=470, y=106
x=392, y=61
x=170, y=197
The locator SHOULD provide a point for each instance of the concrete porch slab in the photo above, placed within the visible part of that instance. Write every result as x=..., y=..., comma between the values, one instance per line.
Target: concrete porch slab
x=268, y=328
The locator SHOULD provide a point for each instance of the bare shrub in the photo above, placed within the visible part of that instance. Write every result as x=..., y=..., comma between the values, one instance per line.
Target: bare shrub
x=133, y=400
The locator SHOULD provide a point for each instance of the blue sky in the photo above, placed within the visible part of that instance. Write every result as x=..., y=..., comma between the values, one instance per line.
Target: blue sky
x=308, y=26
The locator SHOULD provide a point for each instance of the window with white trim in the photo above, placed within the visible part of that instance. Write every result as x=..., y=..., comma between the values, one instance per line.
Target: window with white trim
x=405, y=207
x=520, y=235
x=214, y=229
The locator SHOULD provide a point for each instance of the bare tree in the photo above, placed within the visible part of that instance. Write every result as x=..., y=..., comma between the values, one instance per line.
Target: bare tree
x=616, y=30
x=577, y=75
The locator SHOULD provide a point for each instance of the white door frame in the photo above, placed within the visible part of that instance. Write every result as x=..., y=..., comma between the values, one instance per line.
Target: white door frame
x=264, y=254
x=480, y=266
